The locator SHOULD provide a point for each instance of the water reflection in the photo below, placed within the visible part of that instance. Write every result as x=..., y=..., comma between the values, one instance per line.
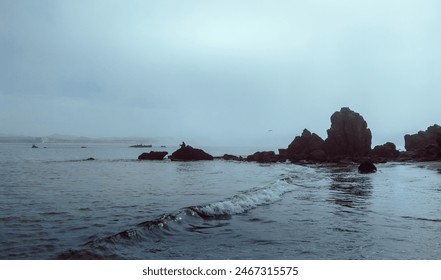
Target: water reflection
x=349, y=188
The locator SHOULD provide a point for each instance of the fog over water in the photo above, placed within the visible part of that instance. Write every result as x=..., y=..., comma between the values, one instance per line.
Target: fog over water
x=218, y=72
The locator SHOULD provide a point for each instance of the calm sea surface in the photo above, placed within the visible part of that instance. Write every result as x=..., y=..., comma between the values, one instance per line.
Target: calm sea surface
x=56, y=205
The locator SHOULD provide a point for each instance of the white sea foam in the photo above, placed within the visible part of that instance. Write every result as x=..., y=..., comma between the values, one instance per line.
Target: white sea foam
x=247, y=200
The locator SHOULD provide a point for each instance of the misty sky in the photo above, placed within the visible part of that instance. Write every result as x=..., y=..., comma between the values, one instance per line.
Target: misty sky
x=218, y=72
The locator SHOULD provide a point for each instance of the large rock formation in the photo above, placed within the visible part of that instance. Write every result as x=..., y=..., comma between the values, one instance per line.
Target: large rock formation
x=188, y=153
x=348, y=135
x=415, y=142
x=153, y=155
x=308, y=146
x=425, y=145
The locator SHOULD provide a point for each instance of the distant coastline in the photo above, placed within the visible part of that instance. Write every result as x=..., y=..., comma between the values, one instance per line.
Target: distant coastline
x=76, y=140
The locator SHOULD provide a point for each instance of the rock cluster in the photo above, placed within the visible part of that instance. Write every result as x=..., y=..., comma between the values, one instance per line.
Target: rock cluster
x=349, y=140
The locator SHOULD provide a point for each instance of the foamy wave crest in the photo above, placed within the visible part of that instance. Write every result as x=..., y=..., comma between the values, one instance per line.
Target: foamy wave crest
x=245, y=201
x=188, y=219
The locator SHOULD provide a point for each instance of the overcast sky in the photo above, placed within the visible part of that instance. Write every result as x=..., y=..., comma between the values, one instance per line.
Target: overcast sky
x=218, y=72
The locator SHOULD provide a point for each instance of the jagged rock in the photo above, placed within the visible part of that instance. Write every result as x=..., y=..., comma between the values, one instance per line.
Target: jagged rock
x=153, y=156
x=308, y=146
x=348, y=135
x=425, y=145
x=423, y=139
x=367, y=167
x=387, y=151
x=263, y=157
x=188, y=153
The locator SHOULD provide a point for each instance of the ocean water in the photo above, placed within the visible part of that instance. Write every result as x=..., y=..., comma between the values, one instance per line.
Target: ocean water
x=56, y=205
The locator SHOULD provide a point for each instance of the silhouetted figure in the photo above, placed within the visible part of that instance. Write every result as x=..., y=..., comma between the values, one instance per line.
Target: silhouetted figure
x=183, y=144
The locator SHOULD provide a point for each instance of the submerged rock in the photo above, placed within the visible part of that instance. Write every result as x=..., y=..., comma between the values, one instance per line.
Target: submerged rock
x=153, y=156
x=188, y=153
x=367, y=167
x=348, y=135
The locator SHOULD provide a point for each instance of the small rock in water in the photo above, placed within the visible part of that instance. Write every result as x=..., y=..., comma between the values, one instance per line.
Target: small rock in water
x=229, y=157
x=153, y=156
x=367, y=167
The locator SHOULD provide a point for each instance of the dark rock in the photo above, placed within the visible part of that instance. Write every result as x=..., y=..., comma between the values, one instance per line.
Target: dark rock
x=140, y=146
x=317, y=155
x=153, y=155
x=263, y=157
x=91, y=158
x=387, y=151
x=348, y=135
x=308, y=146
x=367, y=167
x=34, y=146
x=188, y=153
x=425, y=145
x=422, y=139
x=283, y=155
x=230, y=157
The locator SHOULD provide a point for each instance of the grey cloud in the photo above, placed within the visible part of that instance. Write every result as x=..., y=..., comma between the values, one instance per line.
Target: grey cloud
x=226, y=71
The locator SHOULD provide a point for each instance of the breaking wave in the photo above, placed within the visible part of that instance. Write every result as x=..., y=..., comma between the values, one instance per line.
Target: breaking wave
x=187, y=219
